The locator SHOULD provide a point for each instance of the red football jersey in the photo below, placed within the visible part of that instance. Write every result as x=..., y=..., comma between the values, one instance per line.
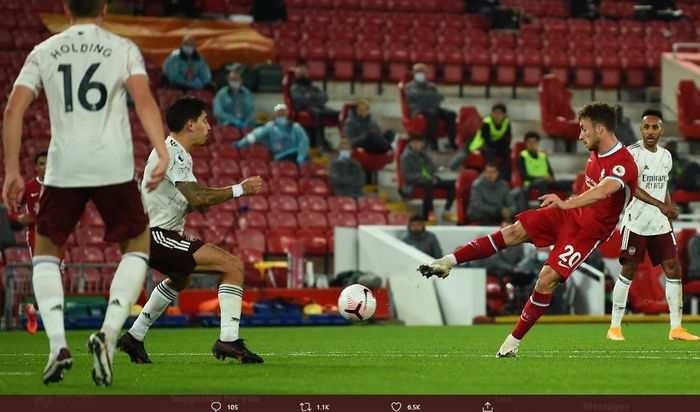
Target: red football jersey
x=618, y=164
x=30, y=200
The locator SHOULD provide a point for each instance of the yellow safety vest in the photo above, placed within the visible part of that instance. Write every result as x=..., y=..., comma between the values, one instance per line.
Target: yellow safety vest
x=496, y=133
x=535, y=166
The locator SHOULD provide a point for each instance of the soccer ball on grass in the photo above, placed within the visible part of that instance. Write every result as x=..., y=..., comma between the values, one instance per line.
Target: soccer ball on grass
x=357, y=303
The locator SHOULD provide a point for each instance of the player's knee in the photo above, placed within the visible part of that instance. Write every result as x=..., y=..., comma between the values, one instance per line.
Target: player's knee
x=629, y=268
x=671, y=269
x=547, y=281
x=232, y=268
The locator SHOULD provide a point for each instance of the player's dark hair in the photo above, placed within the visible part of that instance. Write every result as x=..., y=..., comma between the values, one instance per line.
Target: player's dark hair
x=39, y=155
x=531, y=135
x=499, y=106
x=416, y=136
x=600, y=113
x=653, y=112
x=415, y=218
x=491, y=164
x=84, y=8
x=181, y=109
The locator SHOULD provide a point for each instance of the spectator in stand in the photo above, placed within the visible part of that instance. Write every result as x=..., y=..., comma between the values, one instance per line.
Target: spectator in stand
x=310, y=98
x=185, y=68
x=419, y=170
x=420, y=238
x=492, y=140
x=424, y=98
x=685, y=174
x=694, y=258
x=492, y=201
x=346, y=174
x=268, y=11
x=624, y=131
x=286, y=140
x=363, y=131
x=234, y=104
x=535, y=169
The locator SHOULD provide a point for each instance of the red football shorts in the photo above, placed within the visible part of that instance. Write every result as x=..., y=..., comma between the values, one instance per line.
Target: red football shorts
x=552, y=226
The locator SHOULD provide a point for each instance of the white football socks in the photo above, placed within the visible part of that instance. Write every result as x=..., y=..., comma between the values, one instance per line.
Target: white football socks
x=125, y=289
x=674, y=296
x=230, y=301
x=160, y=298
x=48, y=291
x=619, y=300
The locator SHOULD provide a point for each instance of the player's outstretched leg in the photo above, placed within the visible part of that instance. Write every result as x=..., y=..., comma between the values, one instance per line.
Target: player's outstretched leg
x=48, y=290
x=535, y=307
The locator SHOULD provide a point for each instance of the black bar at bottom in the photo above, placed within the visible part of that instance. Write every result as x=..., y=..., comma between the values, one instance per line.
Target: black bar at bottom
x=344, y=403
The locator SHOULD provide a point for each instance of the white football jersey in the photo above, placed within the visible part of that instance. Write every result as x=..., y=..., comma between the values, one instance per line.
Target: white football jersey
x=83, y=72
x=167, y=207
x=654, y=169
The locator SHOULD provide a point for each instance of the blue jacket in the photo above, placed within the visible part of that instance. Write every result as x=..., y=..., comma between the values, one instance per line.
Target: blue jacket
x=281, y=141
x=182, y=71
x=234, y=109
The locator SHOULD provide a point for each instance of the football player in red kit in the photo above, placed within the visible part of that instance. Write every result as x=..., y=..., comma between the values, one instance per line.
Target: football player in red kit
x=574, y=226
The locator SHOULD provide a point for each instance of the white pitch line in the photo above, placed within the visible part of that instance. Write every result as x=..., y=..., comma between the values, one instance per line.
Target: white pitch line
x=17, y=373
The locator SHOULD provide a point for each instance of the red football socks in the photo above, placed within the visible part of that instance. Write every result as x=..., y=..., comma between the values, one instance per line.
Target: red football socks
x=535, y=307
x=480, y=248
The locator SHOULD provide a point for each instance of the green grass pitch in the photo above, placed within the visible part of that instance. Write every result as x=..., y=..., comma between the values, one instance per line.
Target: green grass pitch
x=554, y=359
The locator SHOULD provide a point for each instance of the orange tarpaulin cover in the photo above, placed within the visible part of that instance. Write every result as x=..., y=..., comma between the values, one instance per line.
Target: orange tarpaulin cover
x=221, y=42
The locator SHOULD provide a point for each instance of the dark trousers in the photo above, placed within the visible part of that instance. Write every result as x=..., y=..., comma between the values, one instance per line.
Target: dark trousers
x=377, y=143
x=320, y=114
x=432, y=117
x=429, y=190
x=500, y=149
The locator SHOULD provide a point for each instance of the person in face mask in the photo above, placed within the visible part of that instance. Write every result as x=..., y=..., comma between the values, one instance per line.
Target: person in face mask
x=234, y=104
x=346, y=174
x=310, y=98
x=286, y=140
x=185, y=68
x=424, y=98
x=420, y=238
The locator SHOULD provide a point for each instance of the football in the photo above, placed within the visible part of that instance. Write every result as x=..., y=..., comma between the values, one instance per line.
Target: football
x=357, y=303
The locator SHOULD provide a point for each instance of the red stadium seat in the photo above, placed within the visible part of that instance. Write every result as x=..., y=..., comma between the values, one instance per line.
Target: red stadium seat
x=225, y=135
x=87, y=254
x=250, y=239
x=399, y=218
x=610, y=68
x=505, y=63
x=688, y=100
x=255, y=203
x=17, y=255
x=283, y=203
x=279, y=241
x=312, y=203
x=283, y=186
x=311, y=185
x=451, y=60
x=252, y=220
x=634, y=66
x=531, y=66
x=314, y=241
x=254, y=167
x=463, y=187
x=90, y=236
x=342, y=204
x=582, y=64
x=225, y=153
x=220, y=218
x=315, y=55
x=478, y=62
x=345, y=219
x=371, y=218
x=342, y=57
x=227, y=168
x=468, y=123
x=426, y=54
x=558, y=118
x=397, y=60
x=254, y=151
x=557, y=64
x=284, y=169
x=312, y=220
x=372, y=204
x=281, y=220
x=312, y=169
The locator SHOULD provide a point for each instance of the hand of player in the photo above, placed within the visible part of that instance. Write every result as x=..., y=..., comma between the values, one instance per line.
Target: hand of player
x=12, y=191
x=669, y=210
x=252, y=185
x=157, y=174
x=440, y=268
x=551, y=200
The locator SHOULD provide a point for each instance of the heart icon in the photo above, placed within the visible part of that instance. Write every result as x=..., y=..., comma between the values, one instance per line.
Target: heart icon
x=396, y=406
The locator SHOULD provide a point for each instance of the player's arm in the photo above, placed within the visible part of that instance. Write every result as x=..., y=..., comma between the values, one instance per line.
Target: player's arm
x=667, y=208
x=149, y=115
x=13, y=189
x=601, y=191
x=200, y=196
